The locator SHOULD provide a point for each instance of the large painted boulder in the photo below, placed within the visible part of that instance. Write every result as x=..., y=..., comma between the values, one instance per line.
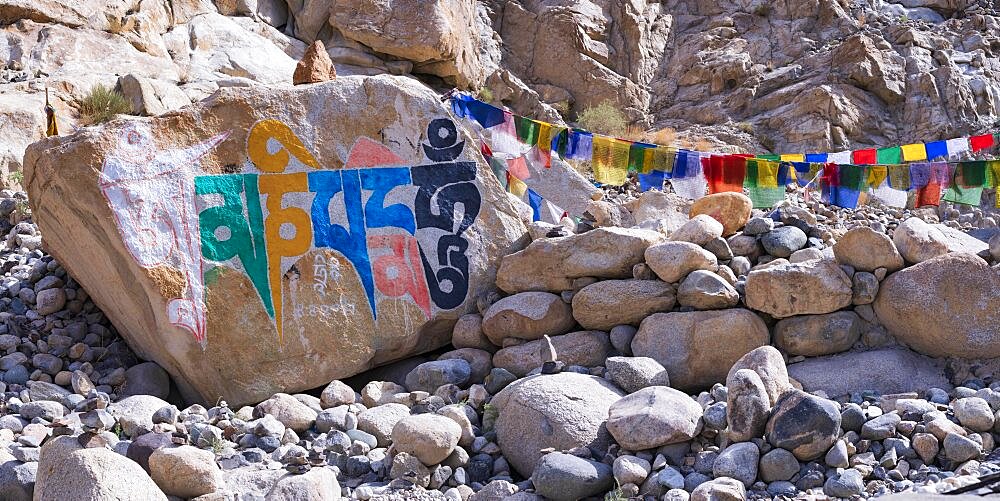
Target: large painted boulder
x=273, y=239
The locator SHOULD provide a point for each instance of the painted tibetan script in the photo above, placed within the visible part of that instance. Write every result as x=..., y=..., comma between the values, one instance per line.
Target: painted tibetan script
x=401, y=226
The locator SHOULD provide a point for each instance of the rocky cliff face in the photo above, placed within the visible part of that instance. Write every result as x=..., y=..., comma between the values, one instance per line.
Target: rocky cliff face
x=793, y=75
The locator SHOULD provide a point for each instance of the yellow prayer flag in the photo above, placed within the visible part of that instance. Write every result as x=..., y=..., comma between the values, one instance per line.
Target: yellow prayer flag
x=877, y=175
x=914, y=152
x=767, y=174
x=544, y=137
x=648, y=158
x=516, y=186
x=797, y=157
x=610, y=160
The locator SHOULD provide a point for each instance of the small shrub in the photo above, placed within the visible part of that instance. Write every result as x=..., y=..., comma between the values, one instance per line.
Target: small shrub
x=665, y=136
x=763, y=9
x=904, y=19
x=604, y=118
x=101, y=105
x=745, y=127
x=16, y=177
x=486, y=95
x=635, y=133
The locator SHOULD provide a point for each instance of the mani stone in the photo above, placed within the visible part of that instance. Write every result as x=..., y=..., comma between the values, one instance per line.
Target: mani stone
x=215, y=313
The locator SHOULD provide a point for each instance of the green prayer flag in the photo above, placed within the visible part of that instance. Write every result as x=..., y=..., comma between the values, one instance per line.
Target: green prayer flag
x=854, y=177
x=773, y=158
x=527, y=130
x=964, y=196
x=636, y=153
x=765, y=198
x=750, y=181
x=973, y=174
x=893, y=155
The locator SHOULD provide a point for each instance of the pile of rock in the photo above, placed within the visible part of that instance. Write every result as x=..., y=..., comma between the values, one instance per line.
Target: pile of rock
x=634, y=361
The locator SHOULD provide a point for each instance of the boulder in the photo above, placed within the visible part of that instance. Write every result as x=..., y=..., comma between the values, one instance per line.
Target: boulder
x=317, y=484
x=185, y=471
x=672, y=261
x=635, y=373
x=805, y=424
x=135, y=413
x=943, y=307
x=583, y=348
x=380, y=421
x=788, y=289
x=738, y=461
x=429, y=376
x=720, y=489
x=439, y=37
x=68, y=471
x=17, y=479
x=527, y=315
x=747, y=405
x=816, y=335
x=768, y=363
x=867, y=250
x=288, y=410
x=551, y=264
x=678, y=340
x=564, y=477
x=605, y=304
x=186, y=299
x=918, y=241
x=959, y=241
x=468, y=333
x=335, y=394
x=731, y=209
x=146, y=378
x=783, y=241
x=653, y=417
x=480, y=362
x=561, y=411
x=429, y=437
x=704, y=290
x=700, y=230
x=884, y=371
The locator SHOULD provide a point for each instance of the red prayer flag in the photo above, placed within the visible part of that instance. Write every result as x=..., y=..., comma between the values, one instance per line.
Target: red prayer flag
x=929, y=194
x=981, y=142
x=865, y=157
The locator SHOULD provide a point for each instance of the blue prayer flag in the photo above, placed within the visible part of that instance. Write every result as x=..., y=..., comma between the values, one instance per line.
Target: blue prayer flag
x=653, y=180
x=535, y=201
x=936, y=149
x=816, y=157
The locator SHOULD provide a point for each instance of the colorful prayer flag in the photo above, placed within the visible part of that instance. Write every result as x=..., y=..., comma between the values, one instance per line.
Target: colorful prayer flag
x=936, y=149
x=914, y=152
x=527, y=130
x=841, y=157
x=518, y=168
x=892, y=155
x=982, y=142
x=865, y=157
x=816, y=157
x=795, y=157
x=957, y=146
x=651, y=181
x=579, y=145
x=516, y=186
x=535, y=201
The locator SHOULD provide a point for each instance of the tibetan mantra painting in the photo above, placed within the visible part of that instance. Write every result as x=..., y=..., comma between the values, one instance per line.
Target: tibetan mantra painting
x=398, y=225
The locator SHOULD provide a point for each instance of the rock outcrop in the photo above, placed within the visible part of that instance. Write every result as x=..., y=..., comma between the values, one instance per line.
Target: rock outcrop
x=235, y=304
